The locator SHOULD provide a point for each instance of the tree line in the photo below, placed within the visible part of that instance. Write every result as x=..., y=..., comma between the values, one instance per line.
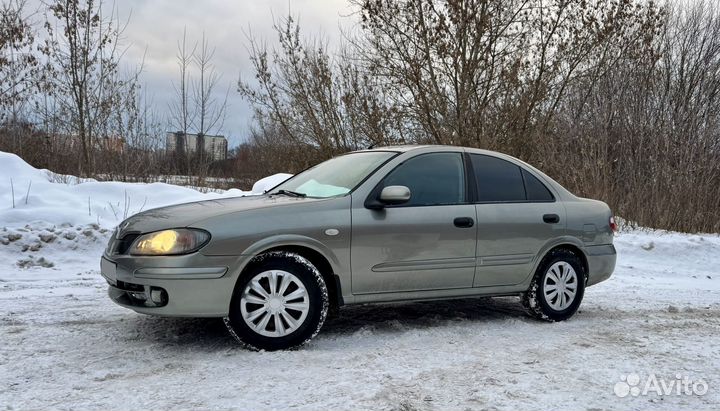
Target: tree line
x=616, y=99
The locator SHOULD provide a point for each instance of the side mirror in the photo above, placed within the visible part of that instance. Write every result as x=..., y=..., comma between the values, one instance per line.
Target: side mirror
x=390, y=195
x=395, y=195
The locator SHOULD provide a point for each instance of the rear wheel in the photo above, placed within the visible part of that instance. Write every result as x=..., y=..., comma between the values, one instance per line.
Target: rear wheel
x=558, y=287
x=280, y=302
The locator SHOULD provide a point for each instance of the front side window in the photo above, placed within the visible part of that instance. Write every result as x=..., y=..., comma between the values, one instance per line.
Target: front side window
x=335, y=177
x=433, y=179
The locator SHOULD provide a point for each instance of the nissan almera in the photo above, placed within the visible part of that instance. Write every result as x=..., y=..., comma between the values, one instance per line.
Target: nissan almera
x=389, y=224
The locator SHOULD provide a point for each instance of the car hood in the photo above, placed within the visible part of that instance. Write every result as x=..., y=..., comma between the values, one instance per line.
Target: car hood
x=184, y=215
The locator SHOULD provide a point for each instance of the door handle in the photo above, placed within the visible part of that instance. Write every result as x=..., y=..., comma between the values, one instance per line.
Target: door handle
x=551, y=218
x=464, y=222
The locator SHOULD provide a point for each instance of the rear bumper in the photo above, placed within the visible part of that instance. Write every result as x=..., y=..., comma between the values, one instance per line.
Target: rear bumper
x=193, y=285
x=601, y=262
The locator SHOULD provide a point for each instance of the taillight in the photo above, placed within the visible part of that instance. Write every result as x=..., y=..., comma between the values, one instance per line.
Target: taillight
x=613, y=225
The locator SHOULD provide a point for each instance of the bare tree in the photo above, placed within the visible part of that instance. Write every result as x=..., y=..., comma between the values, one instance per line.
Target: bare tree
x=84, y=51
x=492, y=74
x=646, y=139
x=306, y=95
x=182, y=114
x=196, y=107
x=18, y=62
x=210, y=110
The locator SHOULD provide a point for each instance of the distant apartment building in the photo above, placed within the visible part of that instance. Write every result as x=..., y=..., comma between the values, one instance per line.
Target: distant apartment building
x=215, y=147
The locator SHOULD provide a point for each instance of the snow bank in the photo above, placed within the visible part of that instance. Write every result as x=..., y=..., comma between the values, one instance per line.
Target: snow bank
x=267, y=183
x=38, y=196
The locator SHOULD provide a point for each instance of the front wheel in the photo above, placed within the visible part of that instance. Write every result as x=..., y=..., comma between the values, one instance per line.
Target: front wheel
x=280, y=302
x=558, y=287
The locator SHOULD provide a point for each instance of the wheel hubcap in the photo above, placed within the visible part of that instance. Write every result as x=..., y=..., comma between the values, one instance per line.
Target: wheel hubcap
x=274, y=303
x=560, y=285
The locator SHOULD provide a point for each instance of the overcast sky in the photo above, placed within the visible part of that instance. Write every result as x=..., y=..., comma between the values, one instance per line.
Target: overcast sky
x=155, y=27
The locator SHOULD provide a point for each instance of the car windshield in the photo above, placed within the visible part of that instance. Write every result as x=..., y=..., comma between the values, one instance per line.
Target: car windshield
x=335, y=177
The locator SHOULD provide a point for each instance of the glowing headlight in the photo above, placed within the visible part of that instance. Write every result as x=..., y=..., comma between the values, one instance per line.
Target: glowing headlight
x=170, y=242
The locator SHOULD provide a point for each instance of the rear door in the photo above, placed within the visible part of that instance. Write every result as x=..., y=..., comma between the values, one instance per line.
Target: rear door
x=427, y=243
x=516, y=216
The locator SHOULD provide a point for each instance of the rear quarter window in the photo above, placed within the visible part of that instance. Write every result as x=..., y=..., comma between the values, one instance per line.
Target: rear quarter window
x=536, y=190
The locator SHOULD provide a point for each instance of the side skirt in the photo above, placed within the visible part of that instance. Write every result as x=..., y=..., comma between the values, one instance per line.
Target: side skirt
x=437, y=294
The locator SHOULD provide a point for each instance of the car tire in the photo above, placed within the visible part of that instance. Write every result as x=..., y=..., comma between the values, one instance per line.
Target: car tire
x=280, y=302
x=558, y=287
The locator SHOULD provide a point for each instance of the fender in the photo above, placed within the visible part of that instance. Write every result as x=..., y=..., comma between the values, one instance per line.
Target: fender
x=275, y=241
x=563, y=240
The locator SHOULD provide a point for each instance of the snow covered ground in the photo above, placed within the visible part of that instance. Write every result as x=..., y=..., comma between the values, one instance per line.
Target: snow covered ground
x=65, y=345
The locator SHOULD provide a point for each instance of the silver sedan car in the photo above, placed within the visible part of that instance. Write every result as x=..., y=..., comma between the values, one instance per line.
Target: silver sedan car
x=382, y=225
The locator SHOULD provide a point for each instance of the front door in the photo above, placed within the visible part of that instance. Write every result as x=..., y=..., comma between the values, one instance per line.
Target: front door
x=427, y=243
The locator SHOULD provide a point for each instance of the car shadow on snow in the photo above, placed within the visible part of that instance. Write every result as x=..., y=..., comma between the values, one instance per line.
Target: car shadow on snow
x=204, y=333
x=210, y=333
x=422, y=315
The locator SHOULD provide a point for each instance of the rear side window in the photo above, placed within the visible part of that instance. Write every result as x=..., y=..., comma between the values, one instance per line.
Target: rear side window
x=433, y=179
x=502, y=181
x=497, y=180
x=536, y=191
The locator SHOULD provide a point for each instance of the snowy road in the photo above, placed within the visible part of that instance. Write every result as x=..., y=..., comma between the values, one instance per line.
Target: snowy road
x=64, y=345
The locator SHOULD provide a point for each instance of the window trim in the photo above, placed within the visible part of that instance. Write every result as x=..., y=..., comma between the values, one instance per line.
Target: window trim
x=471, y=182
x=476, y=198
x=375, y=192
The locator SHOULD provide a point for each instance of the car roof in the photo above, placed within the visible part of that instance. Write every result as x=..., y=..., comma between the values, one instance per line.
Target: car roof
x=398, y=148
x=410, y=147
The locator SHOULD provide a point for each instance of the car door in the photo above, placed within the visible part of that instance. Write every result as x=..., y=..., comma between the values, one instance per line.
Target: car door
x=427, y=243
x=516, y=216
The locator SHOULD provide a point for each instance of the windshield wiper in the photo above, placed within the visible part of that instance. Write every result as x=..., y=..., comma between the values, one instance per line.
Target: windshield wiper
x=290, y=193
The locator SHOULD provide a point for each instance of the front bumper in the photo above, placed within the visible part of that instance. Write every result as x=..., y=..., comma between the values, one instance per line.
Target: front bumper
x=191, y=285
